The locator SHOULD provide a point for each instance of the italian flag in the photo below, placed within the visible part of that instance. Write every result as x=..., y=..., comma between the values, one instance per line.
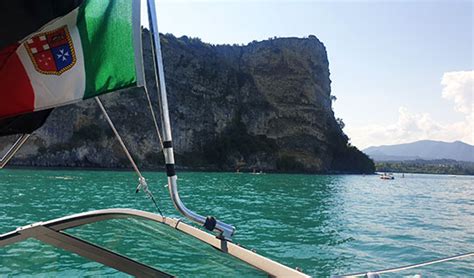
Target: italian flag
x=94, y=49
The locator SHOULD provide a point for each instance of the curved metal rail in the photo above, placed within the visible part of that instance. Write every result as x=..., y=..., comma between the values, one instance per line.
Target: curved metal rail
x=52, y=233
x=209, y=223
x=225, y=229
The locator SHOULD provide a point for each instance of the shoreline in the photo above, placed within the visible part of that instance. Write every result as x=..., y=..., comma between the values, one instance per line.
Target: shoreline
x=179, y=169
x=186, y=169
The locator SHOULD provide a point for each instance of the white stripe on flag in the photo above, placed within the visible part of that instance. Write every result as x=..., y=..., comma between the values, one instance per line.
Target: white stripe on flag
x=137, y=43
x=68, y=87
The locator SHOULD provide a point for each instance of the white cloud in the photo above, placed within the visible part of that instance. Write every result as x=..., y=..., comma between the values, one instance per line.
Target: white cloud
x=458, y=87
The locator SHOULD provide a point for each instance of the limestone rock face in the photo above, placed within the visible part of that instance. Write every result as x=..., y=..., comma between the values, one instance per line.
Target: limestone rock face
x=263, y=106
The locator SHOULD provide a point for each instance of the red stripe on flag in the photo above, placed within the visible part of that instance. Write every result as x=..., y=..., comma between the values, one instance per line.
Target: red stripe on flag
x=16, y=93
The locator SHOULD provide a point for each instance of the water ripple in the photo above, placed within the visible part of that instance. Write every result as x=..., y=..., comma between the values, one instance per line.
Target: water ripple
x=323, y=224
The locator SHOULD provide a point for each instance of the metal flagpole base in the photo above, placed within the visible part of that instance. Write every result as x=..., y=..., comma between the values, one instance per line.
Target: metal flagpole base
x=210, y=223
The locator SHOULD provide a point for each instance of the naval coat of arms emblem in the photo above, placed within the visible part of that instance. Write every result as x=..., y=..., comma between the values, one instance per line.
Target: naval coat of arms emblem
x=52, y=52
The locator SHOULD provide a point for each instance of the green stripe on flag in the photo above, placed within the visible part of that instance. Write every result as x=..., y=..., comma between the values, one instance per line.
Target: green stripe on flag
x=106, y=34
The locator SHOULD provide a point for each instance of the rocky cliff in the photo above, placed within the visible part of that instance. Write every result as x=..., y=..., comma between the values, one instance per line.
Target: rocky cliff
x=263, y=106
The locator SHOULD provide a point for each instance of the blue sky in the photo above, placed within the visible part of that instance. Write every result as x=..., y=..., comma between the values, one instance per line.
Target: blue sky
x=387, y=58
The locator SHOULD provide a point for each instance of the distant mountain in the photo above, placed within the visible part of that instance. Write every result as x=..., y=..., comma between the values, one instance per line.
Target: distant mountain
x=424, y=149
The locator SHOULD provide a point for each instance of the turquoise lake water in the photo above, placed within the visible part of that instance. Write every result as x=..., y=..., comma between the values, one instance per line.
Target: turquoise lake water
x=324, y=225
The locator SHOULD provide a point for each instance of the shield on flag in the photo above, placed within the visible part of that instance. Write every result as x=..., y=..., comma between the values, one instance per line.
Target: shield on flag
x=52, y=52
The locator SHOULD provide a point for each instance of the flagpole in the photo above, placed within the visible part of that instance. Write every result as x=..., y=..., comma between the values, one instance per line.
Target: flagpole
x=209, y=223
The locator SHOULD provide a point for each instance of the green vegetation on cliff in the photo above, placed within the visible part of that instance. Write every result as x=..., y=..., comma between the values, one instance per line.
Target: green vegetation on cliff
x=347, y=158
x=350, y=160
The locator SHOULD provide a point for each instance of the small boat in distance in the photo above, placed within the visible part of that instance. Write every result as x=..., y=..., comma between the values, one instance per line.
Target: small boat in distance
x=387, y=176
